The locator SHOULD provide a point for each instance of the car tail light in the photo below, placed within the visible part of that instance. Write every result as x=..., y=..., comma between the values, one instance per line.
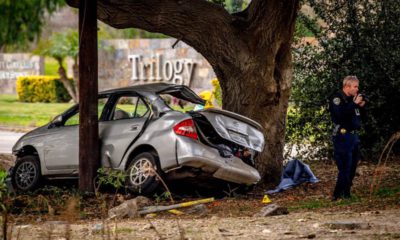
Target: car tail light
x=186, y=128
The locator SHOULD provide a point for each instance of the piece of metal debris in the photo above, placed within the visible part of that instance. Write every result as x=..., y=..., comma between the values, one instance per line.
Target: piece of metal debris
x=152, y=209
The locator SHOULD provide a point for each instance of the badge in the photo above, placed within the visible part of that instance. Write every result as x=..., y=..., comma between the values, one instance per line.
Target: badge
x=357, y=112
x=336, y=101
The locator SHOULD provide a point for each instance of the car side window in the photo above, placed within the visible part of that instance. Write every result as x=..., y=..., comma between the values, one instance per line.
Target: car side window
x=74, y=119
x=141, y=109
x=128, y=107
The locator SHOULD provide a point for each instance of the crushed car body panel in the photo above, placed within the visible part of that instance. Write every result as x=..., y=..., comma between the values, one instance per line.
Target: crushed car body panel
x=236, y=128
x=209, y=160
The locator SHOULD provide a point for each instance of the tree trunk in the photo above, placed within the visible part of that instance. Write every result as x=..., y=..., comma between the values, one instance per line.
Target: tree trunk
x=75, y=72
x=67, y=83
x=249, y=52
x=248, y=95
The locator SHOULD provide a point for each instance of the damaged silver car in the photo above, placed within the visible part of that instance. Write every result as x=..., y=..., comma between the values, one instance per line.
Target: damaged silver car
x=142, y=135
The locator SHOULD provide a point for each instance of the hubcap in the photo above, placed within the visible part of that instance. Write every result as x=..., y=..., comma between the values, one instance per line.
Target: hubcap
x=141, y=171
x=25, y=175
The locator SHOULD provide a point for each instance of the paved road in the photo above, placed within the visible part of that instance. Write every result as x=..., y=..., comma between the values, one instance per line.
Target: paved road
x=7, y=140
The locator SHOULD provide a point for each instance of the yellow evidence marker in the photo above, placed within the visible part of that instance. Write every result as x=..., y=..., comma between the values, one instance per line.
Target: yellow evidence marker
x=266, y=199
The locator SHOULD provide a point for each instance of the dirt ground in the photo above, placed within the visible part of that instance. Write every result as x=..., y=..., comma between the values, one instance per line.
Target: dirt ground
x=324, y=225
x=368, y=215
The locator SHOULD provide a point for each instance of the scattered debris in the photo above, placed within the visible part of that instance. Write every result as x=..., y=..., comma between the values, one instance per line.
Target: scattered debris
x=200, y=210
x=310, y=236
x=97, y=227
x=271, y=210
x=152, y=209
x=315, y=225
x=176, y=212
x=266, y=231
x=347, y=225
x=129, y=208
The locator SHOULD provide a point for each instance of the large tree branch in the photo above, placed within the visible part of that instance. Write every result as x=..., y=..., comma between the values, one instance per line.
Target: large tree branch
x=205, y=26
x=236, y=42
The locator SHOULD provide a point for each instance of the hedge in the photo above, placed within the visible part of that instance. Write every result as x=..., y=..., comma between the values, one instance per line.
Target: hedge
x=41, y=89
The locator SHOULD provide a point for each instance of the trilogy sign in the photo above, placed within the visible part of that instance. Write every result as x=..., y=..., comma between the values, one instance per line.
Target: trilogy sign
x=179, y=71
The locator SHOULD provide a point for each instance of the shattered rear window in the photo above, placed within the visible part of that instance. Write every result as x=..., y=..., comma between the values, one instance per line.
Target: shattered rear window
x=177, y=104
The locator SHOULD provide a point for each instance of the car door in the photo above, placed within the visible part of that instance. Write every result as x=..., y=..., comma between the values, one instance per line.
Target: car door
x=125, y=123
x=61, y=145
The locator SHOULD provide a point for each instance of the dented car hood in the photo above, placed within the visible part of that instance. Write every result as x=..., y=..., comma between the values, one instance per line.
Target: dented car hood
x=235, y=128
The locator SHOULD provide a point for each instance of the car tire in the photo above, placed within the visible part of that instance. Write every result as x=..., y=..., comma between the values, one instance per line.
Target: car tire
x=143, y=174
x=26, y=174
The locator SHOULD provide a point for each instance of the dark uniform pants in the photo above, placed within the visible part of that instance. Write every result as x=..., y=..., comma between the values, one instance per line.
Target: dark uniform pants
x=346, y=154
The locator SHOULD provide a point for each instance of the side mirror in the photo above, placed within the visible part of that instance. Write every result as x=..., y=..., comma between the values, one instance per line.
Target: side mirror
x=57, y=122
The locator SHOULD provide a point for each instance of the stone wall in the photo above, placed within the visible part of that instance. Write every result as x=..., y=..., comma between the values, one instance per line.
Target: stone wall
x=125, y=63
x=17, y=64
x=139, y=61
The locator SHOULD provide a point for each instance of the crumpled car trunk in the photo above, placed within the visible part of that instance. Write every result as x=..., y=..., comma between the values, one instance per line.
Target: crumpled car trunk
x=230, y=133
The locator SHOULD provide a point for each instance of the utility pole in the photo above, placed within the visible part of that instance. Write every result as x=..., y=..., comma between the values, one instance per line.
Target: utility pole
x=89, y=153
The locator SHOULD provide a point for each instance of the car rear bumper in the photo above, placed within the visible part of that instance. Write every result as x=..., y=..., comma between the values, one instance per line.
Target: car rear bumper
x=192, y=153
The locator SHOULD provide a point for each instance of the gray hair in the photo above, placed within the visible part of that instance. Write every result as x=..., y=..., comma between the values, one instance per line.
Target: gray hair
x=348, y=79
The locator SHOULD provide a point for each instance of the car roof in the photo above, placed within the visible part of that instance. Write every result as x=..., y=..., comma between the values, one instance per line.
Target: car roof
x=150, y=88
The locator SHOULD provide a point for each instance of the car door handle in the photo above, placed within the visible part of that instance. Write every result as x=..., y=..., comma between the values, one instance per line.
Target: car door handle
x=134, y=127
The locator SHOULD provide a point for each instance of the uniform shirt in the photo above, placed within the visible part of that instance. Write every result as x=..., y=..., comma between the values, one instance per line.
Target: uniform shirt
x=344, y=112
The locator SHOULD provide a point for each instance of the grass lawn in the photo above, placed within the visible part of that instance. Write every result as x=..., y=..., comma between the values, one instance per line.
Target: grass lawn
x=14, y=113
x=51, y=66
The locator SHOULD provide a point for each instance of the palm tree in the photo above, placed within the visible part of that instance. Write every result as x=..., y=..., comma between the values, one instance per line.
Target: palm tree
x=60, y=46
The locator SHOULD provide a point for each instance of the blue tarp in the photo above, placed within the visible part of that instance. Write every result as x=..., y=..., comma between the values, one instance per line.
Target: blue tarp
x=296, y=172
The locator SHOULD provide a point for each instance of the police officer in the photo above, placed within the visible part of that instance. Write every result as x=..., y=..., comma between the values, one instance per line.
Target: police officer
x=346, y=107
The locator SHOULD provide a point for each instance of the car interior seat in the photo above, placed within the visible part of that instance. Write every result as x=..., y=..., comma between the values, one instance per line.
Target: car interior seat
x=120, y=114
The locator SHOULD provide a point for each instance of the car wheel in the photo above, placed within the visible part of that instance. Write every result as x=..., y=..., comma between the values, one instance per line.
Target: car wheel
x=26, y=174
x=143, y=174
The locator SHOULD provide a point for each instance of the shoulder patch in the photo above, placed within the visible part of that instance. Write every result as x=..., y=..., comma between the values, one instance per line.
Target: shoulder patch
x=336, y=101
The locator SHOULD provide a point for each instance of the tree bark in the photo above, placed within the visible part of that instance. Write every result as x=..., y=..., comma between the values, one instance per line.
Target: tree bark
x=249, y=52
x=89, y=144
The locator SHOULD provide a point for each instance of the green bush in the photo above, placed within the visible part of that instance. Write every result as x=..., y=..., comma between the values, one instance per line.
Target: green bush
x=41, y=89
x=3, y=191
x=217, y=92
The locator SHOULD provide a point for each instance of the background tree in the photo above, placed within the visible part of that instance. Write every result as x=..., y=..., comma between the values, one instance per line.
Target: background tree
x=22, y=20
x=60, y=46
x=250, y=52
x=360, y=38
